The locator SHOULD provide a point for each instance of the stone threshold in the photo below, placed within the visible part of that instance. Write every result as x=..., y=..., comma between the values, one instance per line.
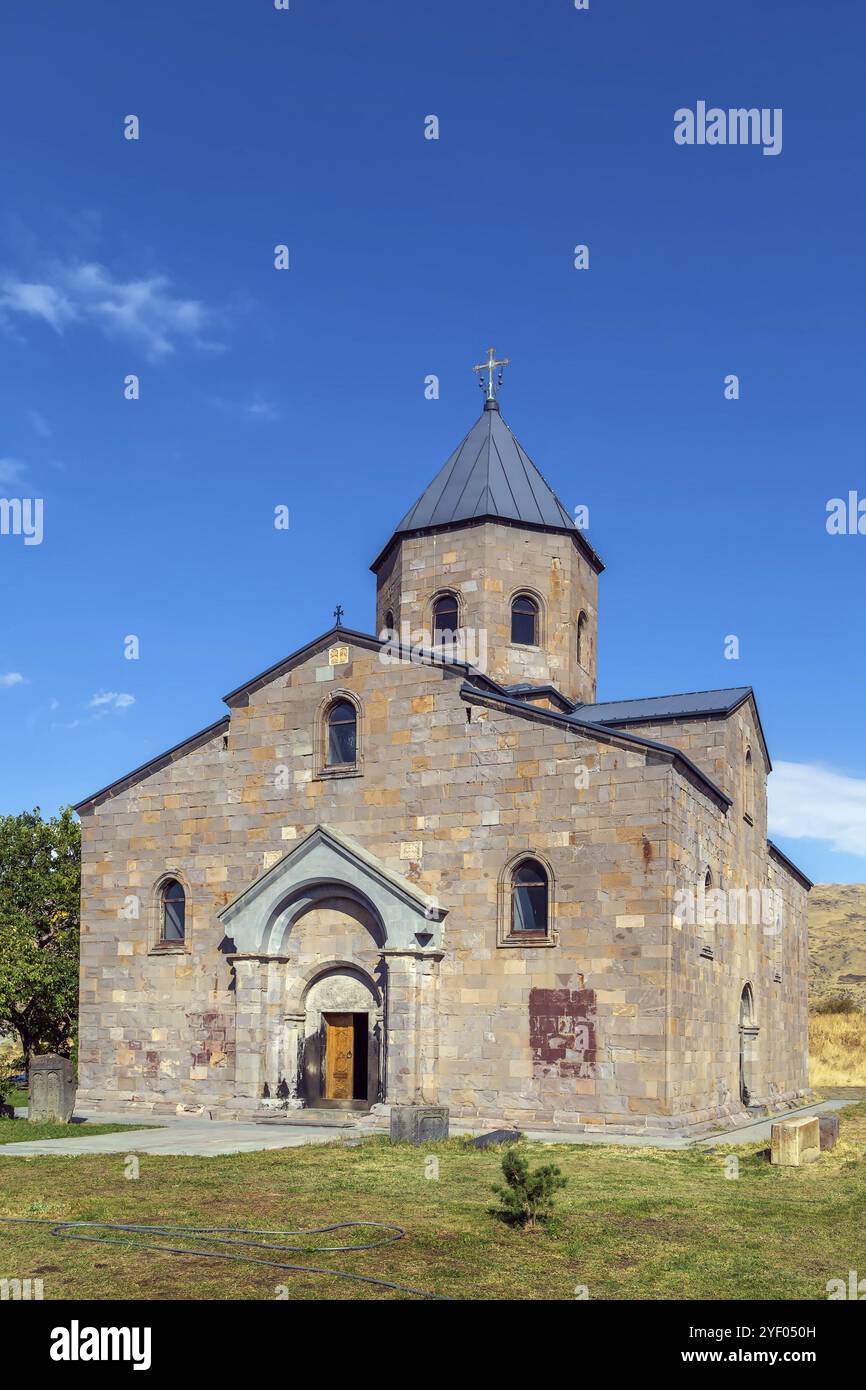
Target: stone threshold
x=321, y=1119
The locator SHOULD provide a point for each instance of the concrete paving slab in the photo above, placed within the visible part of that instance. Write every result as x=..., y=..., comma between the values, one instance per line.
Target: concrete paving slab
x=195, y=1137
x=761, y=1129
x=176, y=1135
x=752, y=1133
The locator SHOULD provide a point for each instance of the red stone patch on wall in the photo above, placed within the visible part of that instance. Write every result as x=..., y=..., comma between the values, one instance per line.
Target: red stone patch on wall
x=562, y=1030
x=213, y=1045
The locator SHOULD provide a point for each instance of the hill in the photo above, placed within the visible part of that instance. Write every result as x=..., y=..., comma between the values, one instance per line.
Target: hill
x=837, y=941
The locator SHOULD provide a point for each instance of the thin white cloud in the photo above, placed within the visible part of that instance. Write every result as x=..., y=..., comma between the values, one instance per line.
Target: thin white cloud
x=807, y=801
x=260, y=409
x=145, y=312
x=12, y=678
x=11, y=470
x=111, y=699
x=39, y=423
x=44, y=302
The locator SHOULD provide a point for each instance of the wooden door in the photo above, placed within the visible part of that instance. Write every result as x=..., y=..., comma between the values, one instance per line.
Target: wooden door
x=339, y=1056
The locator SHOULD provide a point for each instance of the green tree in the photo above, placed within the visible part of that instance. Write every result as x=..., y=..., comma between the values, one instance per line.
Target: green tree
x=527, y=1197
x=40, y=893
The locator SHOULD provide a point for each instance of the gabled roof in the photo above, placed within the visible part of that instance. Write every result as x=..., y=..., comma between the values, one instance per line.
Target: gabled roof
x=490, y=476
x=241, y=695
x=474, y=695
x=179, y=750
x=695, y=704
x=254, y=920
x=341, y=636
x=790, y=865
x=525, y=690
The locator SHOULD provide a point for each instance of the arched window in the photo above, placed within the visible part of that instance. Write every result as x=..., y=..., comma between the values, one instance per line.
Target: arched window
x=582, y=652
x=342, y=734
x=749, y=787
x=747, y=1005
x=446, y=619
x=748, y=1035
x=529, y=900
x=172, y=902
x=389, y=620
x=524, y=620
x=708, y=925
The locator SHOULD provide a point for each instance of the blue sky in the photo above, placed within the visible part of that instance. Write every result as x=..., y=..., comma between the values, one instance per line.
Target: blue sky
x=408, y=257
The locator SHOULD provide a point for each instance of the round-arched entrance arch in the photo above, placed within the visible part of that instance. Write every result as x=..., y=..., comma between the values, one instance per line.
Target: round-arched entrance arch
x=330, y=908
x=343, y=1032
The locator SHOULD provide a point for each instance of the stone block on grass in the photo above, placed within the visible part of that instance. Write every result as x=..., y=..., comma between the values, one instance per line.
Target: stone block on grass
x=829, y=1127
x=795, y=1142
x=418, y=1124
x=51, y=1095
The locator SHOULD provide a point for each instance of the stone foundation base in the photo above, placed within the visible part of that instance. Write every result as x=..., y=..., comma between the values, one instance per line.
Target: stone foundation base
x=688, y=1123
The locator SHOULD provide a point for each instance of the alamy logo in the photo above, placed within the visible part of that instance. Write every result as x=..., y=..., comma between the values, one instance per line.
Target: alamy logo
x=22, y=516
x=748, y=907
x=77, y=1343
x=855, y=1288
x=15, y=1289
x=737, y=126
x=846, y=517
x=467, y=645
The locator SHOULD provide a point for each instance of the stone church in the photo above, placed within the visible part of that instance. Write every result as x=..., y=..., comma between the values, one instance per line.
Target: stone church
x=424, y=864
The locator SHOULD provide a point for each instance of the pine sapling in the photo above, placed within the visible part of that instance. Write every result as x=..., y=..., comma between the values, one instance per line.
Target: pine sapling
x=527, y=1197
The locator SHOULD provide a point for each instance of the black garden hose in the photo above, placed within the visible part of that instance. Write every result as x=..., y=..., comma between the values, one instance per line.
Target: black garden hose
x=228, y=1235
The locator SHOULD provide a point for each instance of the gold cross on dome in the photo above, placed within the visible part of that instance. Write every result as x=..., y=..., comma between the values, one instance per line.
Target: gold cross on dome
x=490, y=367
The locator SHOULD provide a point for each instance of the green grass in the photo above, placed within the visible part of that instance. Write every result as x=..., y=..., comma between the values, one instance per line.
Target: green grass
x=632, y=1223
x=19, y=1131
x=15, y=1096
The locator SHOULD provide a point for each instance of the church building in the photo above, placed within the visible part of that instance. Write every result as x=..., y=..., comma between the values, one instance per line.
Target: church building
x=423, y=864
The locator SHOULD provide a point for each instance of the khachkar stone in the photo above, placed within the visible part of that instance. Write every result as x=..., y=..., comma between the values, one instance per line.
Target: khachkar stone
x=418, y=1124
x=52, y=1090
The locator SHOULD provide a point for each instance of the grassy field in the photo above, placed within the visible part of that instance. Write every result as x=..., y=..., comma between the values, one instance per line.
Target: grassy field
x=19, y=1131
x=632, y=1223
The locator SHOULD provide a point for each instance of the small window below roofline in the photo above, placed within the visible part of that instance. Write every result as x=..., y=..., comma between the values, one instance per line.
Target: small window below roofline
x=330, y=737
x=170, y=926
x=526, y=889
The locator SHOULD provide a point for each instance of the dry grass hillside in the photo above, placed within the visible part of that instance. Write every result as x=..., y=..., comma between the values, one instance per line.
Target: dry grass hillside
x=837, y=941
x=837, y=1049
x=837, y=972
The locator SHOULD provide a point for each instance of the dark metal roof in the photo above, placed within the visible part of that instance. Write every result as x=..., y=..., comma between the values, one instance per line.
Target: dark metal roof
x=693, y=705
x=696, y=702
x=490, y=475
x=525, y=690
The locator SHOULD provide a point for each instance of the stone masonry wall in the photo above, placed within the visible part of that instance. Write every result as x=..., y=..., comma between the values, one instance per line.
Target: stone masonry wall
x=486, y=565
x=584, y=1032
x=759, y=944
